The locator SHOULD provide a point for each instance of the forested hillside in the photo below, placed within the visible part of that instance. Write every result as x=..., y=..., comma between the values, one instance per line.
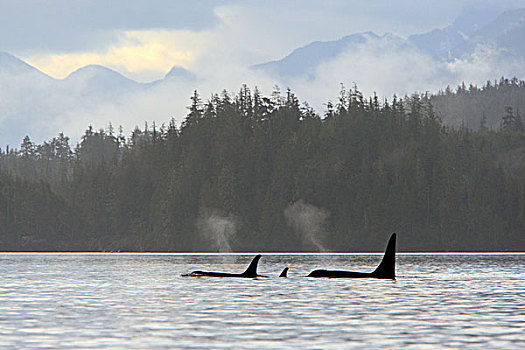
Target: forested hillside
x=255, y=173
x=481, y=107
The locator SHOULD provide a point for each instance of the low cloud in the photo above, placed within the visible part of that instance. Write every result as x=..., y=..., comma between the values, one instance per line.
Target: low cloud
x=381, y=66
x=486, y=63
x=386, y=68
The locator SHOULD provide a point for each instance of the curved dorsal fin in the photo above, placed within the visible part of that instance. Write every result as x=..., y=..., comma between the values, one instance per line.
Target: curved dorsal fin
x=284, y=273
x=387, y=267
x=251, y=271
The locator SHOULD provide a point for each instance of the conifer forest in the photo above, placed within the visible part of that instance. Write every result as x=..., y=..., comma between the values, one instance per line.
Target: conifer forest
x=246, y=172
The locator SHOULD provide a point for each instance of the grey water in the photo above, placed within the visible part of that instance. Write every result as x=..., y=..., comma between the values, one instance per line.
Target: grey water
x=140, y=301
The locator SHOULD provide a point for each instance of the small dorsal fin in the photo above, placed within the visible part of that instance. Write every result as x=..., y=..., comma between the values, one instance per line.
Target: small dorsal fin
x=251, y=271
x=387, y=267
x=284, y=273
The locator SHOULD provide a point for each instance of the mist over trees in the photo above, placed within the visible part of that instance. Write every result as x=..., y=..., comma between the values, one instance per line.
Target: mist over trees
x=481, y=107
x=267, y=173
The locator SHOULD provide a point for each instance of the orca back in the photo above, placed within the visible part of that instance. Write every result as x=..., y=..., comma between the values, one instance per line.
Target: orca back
x=387, y=267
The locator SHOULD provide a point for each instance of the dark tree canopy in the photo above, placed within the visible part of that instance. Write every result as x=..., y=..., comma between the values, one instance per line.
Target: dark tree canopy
x=253, y=173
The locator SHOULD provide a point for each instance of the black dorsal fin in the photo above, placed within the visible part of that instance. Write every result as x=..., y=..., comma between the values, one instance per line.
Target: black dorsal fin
x=284, y=273
x=387, y=267
x=251, y=271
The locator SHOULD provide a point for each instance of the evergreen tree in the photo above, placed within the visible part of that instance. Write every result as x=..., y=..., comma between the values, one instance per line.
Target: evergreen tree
x=372, y=166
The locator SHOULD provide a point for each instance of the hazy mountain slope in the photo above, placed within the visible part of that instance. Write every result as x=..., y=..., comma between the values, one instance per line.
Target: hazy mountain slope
x=461, y=38
x=11, y=66
x=440, y=42
x=506, y=34
x=35, y=104
x=26, y=100
x=177, y=72
x=304, y=59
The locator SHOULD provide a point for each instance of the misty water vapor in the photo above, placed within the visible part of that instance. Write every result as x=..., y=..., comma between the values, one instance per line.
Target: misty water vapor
x=308, y=221
x=217, y=229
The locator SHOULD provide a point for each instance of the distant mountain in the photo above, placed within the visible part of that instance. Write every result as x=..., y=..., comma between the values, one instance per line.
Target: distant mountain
x=24, y=92
x=461, y=38
x=304, y=60
x=178, y=72
x=506, y=33
x=97, y=84
x=35, y=104
x=12, y=66
x=99, y=75
x=440, y=42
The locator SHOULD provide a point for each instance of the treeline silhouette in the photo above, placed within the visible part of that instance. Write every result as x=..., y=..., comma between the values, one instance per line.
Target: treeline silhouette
x=228, y=174
x=483, y=107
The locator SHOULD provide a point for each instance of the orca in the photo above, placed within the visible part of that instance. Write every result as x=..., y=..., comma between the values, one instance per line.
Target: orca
x=251, y=271
x=385, y=270
x=284, y=273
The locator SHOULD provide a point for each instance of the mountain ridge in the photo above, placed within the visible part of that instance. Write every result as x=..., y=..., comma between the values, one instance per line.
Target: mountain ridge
x=449, y=43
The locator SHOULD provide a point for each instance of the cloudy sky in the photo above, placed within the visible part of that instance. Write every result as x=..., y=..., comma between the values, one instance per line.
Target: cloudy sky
x=219, y=40
x=144, y=39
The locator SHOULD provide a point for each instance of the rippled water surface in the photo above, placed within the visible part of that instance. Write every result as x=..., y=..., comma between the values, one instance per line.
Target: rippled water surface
x=140, y=301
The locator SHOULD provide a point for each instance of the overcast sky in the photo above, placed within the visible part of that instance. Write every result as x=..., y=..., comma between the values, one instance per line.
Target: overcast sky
x=144, y=39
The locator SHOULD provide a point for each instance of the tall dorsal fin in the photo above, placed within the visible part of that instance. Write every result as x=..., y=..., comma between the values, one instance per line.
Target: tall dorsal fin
x=284, y=273
x=251, y=271
x=387, y=267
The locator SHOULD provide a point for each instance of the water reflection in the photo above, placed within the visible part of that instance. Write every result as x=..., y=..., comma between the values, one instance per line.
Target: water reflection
x=140, y=301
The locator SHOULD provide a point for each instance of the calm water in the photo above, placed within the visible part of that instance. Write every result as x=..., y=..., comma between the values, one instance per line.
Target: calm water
x=139, y=301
